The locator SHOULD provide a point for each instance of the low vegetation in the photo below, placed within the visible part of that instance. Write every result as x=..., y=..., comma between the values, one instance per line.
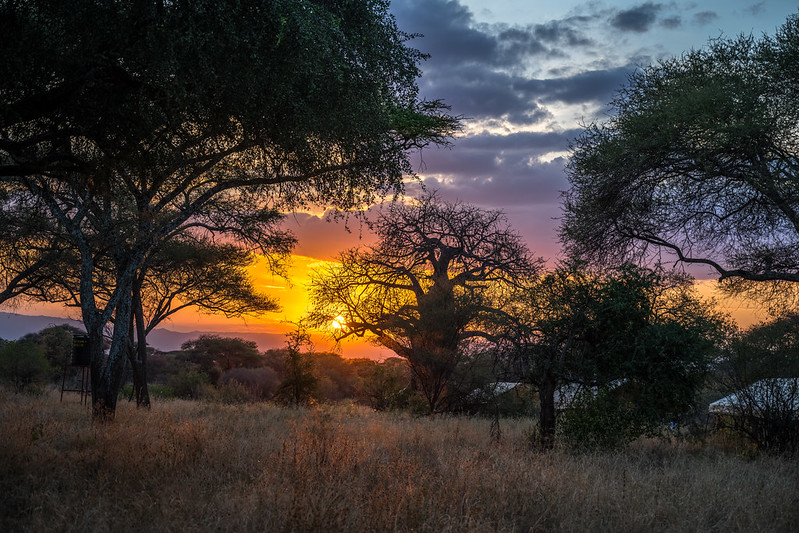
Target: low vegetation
x=199, y=466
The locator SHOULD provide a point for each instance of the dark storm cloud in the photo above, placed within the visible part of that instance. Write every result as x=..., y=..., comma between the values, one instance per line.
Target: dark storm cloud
x=563, y=32
x=453, y=38
x=447, y=30
x=637, y=19
x=514, y=183
x=592, y=86
x=481, y=94
x=540, y=142
x=473, y=67
x=705, y=17
x=671, y=22
x=483, y=71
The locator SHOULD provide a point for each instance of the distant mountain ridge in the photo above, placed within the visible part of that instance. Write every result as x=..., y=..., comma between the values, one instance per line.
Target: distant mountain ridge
x=14, y=325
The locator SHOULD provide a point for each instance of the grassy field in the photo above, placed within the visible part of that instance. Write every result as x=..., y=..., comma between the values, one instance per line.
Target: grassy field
x=207, y=467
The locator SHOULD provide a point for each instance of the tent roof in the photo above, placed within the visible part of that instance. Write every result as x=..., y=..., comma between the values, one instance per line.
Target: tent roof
x=764, y=393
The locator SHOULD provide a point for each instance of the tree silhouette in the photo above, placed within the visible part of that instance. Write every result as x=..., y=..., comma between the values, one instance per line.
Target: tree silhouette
x=640, y=339
x=698, y=164
x=133, y=123
x=430, y=288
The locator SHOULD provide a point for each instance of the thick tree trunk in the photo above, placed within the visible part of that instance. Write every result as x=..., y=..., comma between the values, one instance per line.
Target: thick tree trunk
x=546, y=394
x=107, y=370
x=139, y=356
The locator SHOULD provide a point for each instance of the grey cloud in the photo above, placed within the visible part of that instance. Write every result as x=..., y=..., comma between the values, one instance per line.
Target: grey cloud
x=705, y=17
x=471, y=65
x=447, y=29
x=474, y=69
x=524, y=141
x=671, y=22
x=452, y=37
x=561, y=32
x=500, y=170
x=480, y=94
x=512, y=182
x=597, y=86
x=637, y=19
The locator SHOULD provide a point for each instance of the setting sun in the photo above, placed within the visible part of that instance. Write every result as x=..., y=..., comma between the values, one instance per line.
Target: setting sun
x=339, y=322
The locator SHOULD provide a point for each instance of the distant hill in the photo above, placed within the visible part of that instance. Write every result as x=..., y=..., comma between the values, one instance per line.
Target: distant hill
x=167, y=340
x=14, y=325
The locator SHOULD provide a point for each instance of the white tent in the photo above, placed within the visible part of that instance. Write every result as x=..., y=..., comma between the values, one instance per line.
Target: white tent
x=764, y=394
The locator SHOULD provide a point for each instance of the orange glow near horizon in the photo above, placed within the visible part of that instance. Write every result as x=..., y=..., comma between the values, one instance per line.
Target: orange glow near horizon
x=292, y=295
x=293, y=298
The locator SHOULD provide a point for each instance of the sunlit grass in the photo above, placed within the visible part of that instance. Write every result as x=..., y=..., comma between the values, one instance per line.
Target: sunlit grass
x=190, y=466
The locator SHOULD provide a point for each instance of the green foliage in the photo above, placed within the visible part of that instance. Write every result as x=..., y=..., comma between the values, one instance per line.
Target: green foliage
x=188, y=383
x=639, y=332
x=761, y=370
x=766, y=350
x=23, y=365
x=599, y=421
x=383, y=383
x=697, y=163
x=56, y=342
x=215, y=355
x=260, y=383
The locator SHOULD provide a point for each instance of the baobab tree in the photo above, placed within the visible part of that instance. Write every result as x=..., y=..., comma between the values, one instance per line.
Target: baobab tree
x=429, y=289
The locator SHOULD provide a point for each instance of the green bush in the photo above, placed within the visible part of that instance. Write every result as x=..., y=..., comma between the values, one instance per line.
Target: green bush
x=188, y=384
x=598, y=421
x=24, y=365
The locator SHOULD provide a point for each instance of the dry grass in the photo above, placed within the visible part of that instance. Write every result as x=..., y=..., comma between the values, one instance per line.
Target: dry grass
x=202, y=467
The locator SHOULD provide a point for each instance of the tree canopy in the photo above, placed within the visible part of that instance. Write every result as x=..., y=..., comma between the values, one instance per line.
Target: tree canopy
x=428, y=288
x=698, y=163
x=133, y=123
x=637, y=339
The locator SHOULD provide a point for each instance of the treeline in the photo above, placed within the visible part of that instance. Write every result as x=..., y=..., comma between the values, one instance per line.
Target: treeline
x=233, y=369
x=215, y=368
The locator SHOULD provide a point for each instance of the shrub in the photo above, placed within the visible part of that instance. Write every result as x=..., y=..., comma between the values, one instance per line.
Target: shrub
x=188, y=384
x=259, y=383
x=598, y=421
x=23, y=364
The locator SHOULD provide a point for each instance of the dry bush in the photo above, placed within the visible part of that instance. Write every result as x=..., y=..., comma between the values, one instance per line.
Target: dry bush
x=261, y=383
x=188, y=466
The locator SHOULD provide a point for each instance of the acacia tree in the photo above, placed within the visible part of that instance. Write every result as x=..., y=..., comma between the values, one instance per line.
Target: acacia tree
x=32, y=252
x=641, y=339
x=215, y=355
x=134, y=122
x=428, y=289
x=699, y=163
x=195, y=273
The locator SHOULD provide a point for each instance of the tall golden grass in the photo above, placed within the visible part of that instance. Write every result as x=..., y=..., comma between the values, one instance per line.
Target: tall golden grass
x=188, y=466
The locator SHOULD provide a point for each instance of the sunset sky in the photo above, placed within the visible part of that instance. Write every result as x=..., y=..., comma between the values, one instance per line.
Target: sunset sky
x=525, y=74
